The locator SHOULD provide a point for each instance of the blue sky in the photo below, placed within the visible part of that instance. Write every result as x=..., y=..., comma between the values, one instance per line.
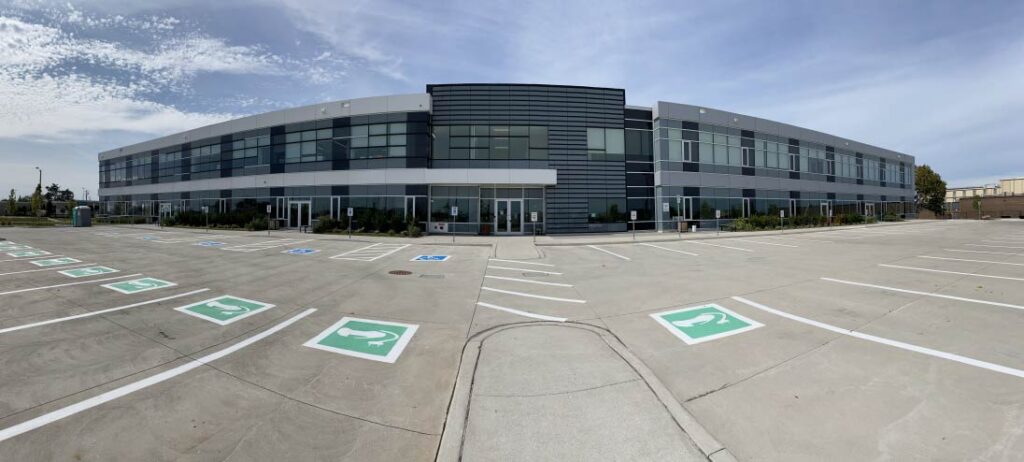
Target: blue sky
x=938, y=80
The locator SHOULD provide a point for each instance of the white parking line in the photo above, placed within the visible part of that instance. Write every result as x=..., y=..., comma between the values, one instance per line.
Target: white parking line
x=264, y=245
x=719, y=245
x=542, y=297
x=926, y=294
x=48, y=269
x=371, y=252
x=98, y=312
x=521, y=312
x=972, y=261
x=528, y=281
x=509, y=268
x=69, y=284
x=914, y=268
x=995, y=246
x=885, y=341
x=1012, y=254
x=125, y=390
x=521, y=262
x=45, y=257
x=670, y=250
x=608, y=252
x=767, y=243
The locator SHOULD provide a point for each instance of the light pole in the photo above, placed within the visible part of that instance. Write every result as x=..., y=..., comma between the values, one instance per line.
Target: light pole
x=40, y=177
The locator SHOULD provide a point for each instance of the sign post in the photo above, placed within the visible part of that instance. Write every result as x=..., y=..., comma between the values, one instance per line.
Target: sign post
x=632, y=218
x=270, y=208
x=533, y=219
x=455, y=214
x=206, y=211
x=349, y=213
x=718, y=224
x=782, y=220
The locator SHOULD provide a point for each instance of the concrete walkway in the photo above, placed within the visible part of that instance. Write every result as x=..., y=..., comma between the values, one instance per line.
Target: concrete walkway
x=573, y=393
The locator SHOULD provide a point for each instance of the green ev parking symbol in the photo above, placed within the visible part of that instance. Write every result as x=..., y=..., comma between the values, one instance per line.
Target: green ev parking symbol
x=87, y=271
x=365, y=338
x=135, y=286
x=28, y=253
x=703, y=323
x=55, y=261
x=225, y=309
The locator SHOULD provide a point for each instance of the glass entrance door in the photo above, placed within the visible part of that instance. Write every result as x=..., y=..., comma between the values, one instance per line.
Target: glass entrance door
x=298, y=214
x=508, y=216
x=410, y=208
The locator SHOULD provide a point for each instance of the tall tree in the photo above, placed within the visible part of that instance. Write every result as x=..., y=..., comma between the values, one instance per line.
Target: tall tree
x=931, y=190
x=37, y=200
x=12, y=203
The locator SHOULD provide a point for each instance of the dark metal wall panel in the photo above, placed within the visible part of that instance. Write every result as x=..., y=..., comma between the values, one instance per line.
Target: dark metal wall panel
x=567, y=112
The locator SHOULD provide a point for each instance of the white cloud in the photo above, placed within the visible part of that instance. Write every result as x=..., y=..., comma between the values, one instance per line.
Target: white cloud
x=46, y=98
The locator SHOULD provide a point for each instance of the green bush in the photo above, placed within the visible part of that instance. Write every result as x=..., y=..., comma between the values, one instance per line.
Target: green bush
x=891, y=217
x=258, y=223
x=326, y=225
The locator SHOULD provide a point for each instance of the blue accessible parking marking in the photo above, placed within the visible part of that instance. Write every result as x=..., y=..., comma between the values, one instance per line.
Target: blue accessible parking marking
x=431, y=258
x=210, y=244
x=300, y=251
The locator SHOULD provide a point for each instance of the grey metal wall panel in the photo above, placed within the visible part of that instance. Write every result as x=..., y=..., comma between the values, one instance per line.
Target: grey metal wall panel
x=567, y=112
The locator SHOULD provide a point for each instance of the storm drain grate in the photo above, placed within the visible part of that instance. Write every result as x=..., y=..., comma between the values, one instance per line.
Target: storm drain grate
x=400, y=272
x=432, y=276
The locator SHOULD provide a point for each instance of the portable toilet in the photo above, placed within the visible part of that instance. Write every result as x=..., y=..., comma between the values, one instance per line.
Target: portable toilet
x=81, y=216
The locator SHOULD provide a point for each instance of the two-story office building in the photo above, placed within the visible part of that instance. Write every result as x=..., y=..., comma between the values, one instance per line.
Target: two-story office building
x=510, y=158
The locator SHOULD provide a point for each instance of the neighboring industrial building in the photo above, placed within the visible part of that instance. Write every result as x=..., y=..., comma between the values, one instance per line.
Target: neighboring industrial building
x=1002, y=200
x=575, y=159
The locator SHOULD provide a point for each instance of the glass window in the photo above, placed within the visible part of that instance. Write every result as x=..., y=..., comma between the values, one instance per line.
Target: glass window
x=309, y=135
x=518, y=130
x=519, y=148
x=397, y=128
x=324, y=134
x=360, y=130
x=498, y=130
x=595, y=138
x=396, y=140
x=538, y=137
x=378, y=129
x=614, y=142
x=460, y=130
x=378, y=141
x=675, y=151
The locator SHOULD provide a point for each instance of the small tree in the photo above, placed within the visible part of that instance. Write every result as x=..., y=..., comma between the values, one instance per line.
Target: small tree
x=976, y=204
x=931, y=190
x=37, y=200
x=12, y=203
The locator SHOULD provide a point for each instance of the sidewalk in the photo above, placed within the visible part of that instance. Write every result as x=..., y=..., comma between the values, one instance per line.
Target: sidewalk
x=522, y=247
x=573, y=396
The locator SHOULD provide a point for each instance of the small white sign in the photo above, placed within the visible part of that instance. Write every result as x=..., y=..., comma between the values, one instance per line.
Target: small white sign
x=632, y=215
x=455, y=211
x=665, y=207
x=206, y=209
x=533, y=217
x=718, y=214
x=782, y=214
x=349, y=212
x=269, y=209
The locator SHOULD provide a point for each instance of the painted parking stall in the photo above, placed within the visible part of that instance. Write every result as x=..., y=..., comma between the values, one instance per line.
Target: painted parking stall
x=370, y=339
x=225, y=309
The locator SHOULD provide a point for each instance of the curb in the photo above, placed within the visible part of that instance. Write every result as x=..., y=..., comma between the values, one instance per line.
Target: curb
x=450, y=447
x=724, y=235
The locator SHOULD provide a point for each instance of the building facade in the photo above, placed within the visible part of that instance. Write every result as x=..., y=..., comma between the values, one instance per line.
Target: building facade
x=1009, y=192
x=506, y=159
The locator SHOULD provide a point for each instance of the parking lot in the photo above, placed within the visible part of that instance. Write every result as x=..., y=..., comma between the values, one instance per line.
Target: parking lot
x=889, y=342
